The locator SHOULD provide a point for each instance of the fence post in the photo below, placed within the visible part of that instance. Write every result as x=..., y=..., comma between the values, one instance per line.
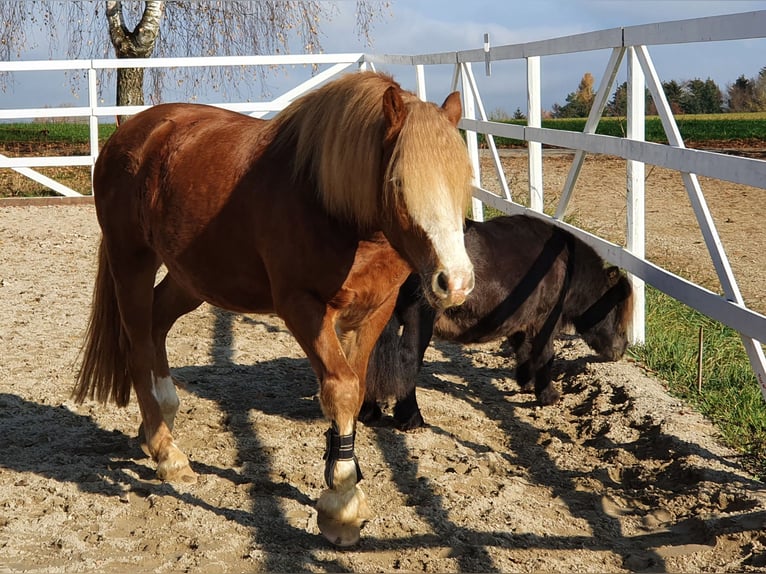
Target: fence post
x=420, y=75
x=471, y=139
x=534, y=120
x=635, y=241
x=93, y=119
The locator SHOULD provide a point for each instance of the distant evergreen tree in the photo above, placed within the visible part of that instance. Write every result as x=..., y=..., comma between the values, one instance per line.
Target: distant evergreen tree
x=760, y=89
x=618, y=105
x=702, y=97
x=748, y=94
x=674, y=93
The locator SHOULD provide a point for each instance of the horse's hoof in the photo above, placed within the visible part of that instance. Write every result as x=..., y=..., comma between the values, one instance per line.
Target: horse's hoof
x=175, y=468
x=527, y=387
x=182, y=474
x=338, y=533
x=548, y=396
x=341, y=516
x=370, y=413
x=413, y=423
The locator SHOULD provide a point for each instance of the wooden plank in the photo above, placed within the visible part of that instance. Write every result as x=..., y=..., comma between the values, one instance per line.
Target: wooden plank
x=44, y=65
x=746, y=171
x=52, y=184
x=45, y=201
x=471, y=140
x=709, y=29
x=26, y=113
x=495, y=128
x=194, y=62
x=390, y=59
x=598, y=40
x=440, y=58
x=44, y=161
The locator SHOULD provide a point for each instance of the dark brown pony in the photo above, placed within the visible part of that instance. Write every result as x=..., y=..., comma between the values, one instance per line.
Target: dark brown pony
x=318, y=215
x=533, y=279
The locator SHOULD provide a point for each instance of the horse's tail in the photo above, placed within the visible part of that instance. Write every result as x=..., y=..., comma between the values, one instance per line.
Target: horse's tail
x=396, y=359
x=385, y=370
x=103, y=373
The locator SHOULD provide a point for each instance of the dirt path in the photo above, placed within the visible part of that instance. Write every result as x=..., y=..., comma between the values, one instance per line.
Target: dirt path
x=619, y=477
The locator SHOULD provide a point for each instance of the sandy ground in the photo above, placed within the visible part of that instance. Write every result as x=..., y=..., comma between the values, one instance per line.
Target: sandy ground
x=618, y=477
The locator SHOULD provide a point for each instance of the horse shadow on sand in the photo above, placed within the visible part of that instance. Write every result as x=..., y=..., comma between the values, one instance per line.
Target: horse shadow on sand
x=115, y=462
x=526, y=448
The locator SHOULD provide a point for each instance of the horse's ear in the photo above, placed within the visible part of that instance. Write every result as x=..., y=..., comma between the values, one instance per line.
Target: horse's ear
x=453, y=108
x=613, y=274
x=394, y=110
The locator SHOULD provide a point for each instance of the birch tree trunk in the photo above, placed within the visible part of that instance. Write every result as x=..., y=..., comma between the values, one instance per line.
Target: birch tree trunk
x=138, y=43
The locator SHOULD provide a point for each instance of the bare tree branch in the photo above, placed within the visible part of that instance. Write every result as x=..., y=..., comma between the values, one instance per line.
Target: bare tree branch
x=184, y=29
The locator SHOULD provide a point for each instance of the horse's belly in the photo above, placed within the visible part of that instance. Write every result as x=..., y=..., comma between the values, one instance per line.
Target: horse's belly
x=242, y=292
x=223, y=275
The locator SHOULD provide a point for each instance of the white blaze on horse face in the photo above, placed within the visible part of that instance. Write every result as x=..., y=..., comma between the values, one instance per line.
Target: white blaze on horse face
x=164, y=391
x=444, y=228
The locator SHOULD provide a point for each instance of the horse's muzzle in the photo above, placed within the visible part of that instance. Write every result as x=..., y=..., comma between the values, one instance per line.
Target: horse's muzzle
x=451, y=289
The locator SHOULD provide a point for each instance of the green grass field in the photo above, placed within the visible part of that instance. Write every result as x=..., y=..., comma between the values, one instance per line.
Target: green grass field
x=693, y=128
x=729, y=393
x=69, y=133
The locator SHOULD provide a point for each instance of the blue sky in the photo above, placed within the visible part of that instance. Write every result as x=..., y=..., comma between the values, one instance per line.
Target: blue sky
x=426, y=26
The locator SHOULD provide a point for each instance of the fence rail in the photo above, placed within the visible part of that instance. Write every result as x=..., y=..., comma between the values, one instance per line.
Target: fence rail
x=629, y=44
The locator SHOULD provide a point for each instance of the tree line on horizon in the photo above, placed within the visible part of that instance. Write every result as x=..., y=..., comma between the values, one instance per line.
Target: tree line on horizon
x=695, y=96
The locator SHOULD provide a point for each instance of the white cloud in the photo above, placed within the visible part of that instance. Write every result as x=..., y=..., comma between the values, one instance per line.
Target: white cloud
x=429, y=26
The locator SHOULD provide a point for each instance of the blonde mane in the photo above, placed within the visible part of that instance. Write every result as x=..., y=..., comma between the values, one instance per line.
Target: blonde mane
x=430, y=157
x=337, y=131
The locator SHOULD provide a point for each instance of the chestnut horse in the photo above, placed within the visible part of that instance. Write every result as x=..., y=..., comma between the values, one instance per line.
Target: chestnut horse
x=533, y=279
x=318, y=215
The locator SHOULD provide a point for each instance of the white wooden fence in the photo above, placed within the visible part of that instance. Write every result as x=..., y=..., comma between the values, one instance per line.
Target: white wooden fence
x=631, y=43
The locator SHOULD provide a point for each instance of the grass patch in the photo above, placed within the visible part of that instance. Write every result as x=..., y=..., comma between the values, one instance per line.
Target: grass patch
x=730, y=396
x=693, y=128
x=67, y=133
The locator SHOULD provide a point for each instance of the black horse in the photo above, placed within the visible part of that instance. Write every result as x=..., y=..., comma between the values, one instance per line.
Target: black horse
x=532, y=280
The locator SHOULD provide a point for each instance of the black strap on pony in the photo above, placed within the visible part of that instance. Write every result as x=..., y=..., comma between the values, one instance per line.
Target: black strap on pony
x=554, y=246
x=338, y=447
x=602, y=307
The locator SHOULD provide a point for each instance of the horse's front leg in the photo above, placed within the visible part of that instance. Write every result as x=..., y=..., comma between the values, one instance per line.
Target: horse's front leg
x=342, y=508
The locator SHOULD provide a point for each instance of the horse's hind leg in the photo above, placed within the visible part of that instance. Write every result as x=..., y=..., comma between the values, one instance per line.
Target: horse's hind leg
x=407, y=414
x=523, y=351
x=134, y=270
x=171, y=302
x=545, y=391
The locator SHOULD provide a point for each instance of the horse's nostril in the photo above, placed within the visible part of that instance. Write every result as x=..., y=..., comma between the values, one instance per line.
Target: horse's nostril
x=442, y=281
x=440, y=284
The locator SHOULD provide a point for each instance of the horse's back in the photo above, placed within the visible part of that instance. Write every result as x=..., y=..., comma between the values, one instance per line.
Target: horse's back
x=183, y=137
x=177, y=180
